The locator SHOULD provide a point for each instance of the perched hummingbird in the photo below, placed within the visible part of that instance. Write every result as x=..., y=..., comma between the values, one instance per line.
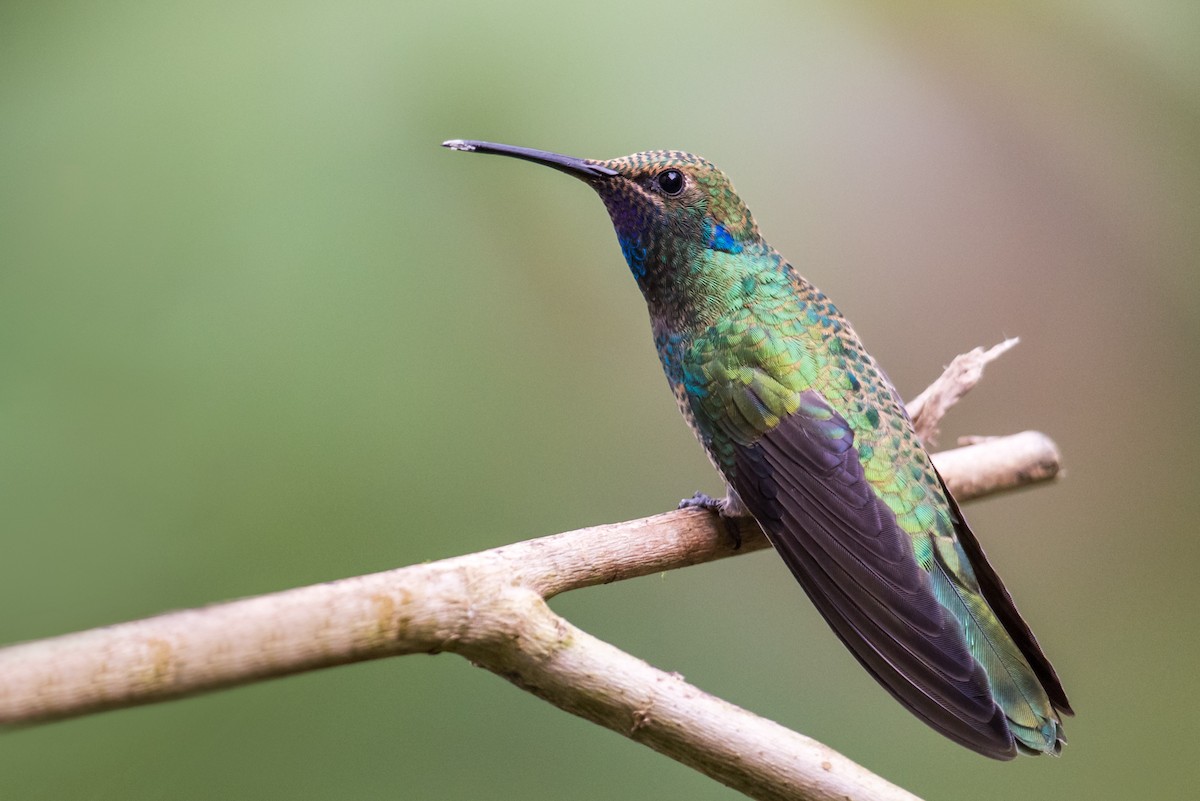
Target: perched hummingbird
x=814, y=443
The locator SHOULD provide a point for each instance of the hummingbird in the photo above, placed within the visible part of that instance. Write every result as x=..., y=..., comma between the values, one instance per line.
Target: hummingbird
x=814, y=443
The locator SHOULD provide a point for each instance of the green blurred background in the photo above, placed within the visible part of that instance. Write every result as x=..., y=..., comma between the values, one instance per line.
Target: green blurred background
x=258, y=330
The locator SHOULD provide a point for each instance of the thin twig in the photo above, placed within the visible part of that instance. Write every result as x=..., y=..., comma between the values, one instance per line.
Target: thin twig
x=959, y=378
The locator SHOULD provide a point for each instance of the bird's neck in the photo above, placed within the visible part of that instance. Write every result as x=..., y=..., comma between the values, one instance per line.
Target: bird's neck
x=689, y=290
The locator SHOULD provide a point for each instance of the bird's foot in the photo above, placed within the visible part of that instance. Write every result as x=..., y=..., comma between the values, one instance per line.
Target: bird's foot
x=727, y=510
x=702, y=500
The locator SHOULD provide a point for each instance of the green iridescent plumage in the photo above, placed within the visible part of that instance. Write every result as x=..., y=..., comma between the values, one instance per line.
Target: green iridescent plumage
x=814, y=442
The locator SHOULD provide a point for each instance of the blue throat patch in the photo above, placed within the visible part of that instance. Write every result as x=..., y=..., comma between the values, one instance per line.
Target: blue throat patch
x=635, y=255
x=720, y=239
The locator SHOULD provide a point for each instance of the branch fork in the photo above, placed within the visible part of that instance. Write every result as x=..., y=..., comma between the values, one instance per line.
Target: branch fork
x=490, y=607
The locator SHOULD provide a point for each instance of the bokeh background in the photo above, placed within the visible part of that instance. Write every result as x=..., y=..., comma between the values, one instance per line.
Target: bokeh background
x=258, y=330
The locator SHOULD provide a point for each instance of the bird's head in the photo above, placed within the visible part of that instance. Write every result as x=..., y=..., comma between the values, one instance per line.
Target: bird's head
x=667, y=206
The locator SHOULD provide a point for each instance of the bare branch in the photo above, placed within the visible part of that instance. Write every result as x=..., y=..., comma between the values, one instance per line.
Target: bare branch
x=1024, y=459
x=592, y=679
x=490, y=608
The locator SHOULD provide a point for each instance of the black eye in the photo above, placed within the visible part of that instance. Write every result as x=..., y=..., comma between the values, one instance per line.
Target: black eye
x=670, y=182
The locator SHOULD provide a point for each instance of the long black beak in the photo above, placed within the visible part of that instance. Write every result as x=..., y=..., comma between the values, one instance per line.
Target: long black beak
x=580, y=168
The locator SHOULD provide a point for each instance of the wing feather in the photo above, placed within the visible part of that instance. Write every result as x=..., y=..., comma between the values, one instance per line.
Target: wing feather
x=804, y=484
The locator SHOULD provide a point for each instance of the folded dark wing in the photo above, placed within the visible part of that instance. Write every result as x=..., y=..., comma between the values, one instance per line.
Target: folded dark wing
x=803, y=482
